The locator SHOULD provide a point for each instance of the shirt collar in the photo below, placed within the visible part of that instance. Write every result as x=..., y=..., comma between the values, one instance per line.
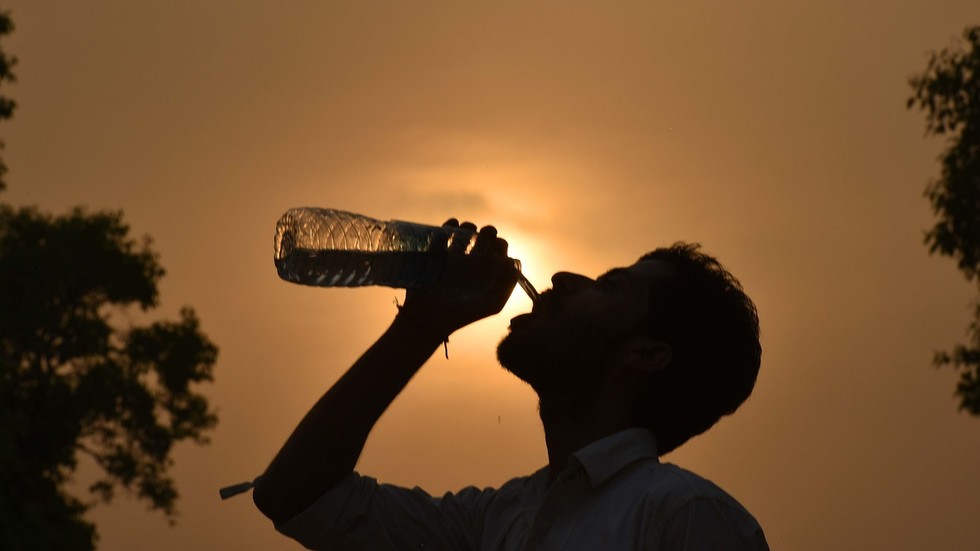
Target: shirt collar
x=607, y=456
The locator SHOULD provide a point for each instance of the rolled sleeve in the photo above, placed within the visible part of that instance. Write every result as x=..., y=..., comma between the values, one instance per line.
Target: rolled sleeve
x=359, y=514
x=334, y=520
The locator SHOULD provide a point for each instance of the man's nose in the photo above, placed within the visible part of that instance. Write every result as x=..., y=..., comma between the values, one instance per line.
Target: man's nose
x=569, y=283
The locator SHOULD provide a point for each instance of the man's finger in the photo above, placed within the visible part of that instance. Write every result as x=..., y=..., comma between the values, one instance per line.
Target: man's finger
x=500, y=246
x=462, y=238
x=485, y=240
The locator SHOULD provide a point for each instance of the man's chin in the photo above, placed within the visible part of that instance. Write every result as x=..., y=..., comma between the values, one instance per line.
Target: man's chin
x=525, y=373
x=506, y=353
x=514, y=357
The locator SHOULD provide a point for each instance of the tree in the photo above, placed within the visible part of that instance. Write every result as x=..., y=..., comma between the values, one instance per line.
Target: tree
x=72, y=382
x=78, y=378
x=7, y=63
x=949, y=94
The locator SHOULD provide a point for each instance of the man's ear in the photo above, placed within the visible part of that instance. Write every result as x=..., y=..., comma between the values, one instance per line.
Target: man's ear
x=647, y=355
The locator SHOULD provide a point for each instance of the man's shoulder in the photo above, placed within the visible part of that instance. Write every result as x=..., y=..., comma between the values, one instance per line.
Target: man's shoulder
x=672, y=487
x=679, y=480
x=678, y=499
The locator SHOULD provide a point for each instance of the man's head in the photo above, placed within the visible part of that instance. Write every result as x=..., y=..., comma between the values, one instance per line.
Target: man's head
x=676, y=317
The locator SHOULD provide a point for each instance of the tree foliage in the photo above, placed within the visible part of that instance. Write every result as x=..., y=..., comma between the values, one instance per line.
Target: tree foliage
x=948, y=92
x=7, y=63
x=73, y=382
x=76, y=380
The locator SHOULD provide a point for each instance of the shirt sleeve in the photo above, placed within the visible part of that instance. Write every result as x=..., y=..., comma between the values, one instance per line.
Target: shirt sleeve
x=359, y=513
x=706, y=523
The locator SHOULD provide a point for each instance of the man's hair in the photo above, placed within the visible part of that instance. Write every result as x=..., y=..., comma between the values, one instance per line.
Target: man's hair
x=712, y=328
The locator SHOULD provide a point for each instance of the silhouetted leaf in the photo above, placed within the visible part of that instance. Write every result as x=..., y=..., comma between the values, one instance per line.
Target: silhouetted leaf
x=949, y=94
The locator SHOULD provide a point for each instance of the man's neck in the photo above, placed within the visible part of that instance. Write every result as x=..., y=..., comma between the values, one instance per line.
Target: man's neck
x=571, y=424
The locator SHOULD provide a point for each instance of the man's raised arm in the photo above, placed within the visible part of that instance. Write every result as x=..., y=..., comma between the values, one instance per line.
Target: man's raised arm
x=325, y=446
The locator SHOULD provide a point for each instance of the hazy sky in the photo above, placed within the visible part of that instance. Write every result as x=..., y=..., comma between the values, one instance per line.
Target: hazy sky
x=588, y=133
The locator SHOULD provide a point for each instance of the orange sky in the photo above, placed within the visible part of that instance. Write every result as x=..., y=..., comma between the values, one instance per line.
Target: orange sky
x=588, y=133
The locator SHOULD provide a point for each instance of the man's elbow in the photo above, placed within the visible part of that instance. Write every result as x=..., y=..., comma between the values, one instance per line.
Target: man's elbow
x=269, y=501
x=281, y=500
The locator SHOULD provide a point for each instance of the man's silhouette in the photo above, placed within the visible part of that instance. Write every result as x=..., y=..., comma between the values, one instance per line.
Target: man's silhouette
x=627, y=367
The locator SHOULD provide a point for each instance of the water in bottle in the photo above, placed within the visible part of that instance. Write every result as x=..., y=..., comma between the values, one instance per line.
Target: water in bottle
x=334, y=248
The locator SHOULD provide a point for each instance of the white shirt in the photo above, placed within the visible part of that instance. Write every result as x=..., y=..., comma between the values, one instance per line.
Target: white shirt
x=614, y=495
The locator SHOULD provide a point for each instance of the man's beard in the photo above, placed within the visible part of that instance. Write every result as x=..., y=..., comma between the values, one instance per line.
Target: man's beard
x=522, y=356
x=553, y=359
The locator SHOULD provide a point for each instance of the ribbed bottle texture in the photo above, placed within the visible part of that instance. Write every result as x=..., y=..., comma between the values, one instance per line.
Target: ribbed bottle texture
x=334, y=248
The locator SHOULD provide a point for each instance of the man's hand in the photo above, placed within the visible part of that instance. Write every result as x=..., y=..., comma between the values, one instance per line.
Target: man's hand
x=474, y=284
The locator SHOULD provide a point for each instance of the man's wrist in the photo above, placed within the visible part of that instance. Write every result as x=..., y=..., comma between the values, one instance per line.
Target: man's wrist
x=419, y=329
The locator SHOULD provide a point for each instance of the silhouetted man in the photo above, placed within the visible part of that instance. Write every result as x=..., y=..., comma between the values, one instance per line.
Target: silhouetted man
x=627, y=367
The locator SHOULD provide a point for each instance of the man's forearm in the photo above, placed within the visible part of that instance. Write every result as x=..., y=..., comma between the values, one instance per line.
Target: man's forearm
x=324, y=447
x=326, y=444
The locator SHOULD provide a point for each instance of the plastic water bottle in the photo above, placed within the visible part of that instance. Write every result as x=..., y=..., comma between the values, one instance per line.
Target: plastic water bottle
x=334, y=248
